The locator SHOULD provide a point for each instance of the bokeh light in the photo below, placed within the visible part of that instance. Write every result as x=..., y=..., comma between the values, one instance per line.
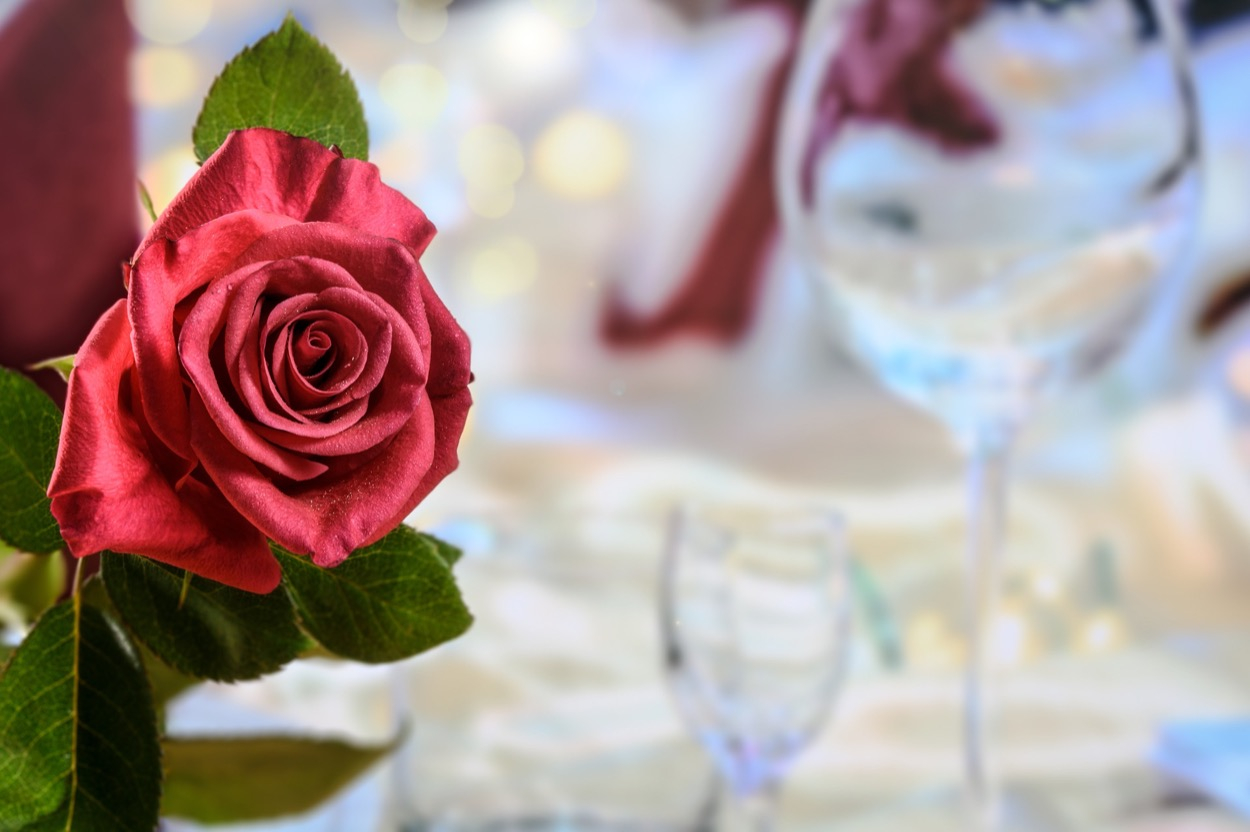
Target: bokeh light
x=490, y=201
x=401, y=159
x=504, y=268
x=170, y=22
x=572, y=14
x=423, y=21
x=162, y=76
x=1102, y=633
x=490, y=155
x=527, y=52
x=415, y=92
x=165, y=175
x=582, y=155
x=491, y=161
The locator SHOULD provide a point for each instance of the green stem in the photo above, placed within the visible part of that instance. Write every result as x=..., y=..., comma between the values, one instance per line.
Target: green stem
x=78, y=571
x=186, y=588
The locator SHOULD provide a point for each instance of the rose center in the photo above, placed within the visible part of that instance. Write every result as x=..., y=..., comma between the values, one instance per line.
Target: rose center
x=313, y=350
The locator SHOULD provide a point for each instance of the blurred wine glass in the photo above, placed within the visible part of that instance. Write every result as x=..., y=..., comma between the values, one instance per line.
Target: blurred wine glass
x=754, y=612
x=988, y=195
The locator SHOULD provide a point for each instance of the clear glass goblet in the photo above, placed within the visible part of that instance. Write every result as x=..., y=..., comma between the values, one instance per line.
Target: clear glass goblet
x=988, y=195
x=754, y=613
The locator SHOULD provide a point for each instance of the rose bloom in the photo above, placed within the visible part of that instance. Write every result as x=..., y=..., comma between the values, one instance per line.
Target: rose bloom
x=281, y=369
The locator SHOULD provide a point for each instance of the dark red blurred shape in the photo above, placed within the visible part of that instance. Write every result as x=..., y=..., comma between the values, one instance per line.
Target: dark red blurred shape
x=67, y=173
x=892, y=67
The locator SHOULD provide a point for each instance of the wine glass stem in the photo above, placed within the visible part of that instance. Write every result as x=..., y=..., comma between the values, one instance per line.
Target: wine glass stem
x=754, y=812
x=988, y=452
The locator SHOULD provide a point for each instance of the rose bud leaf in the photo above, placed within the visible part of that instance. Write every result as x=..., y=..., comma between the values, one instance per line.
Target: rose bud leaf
x=231, y=780
x=30, y=426
x=78, y=737
x=62, y=365
x=386, y=602
x=216, y=632
x=289, y=81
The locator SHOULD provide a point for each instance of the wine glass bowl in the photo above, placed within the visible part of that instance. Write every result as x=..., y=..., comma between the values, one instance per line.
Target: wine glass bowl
x=988, y=195
x=754, y=613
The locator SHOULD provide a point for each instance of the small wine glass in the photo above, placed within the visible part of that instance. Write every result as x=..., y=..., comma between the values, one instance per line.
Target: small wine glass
x=988, y=196
x=754, y=612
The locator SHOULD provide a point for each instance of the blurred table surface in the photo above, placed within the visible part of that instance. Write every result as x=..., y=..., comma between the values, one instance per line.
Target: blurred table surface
x=1129, y=562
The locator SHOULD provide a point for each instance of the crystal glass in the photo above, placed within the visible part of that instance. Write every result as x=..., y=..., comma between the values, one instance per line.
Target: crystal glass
x=754, y=613
x=551, y=713
x=988, y=196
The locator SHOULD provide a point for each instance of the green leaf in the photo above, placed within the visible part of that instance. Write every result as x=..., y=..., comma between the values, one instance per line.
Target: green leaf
x=30, y=427
x=219, y=632
x=33, y=583
x=290, y=81
x=450, y=554
x=62, y=365
x=78, y=744
x=166, y=682
x=231, y=780
x=386, y=602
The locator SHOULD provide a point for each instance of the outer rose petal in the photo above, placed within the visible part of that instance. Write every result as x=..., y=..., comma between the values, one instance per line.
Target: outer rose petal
x=107, y=494
x=299, y=178
x=450, y=414
x=163, y=276
x=449, y=368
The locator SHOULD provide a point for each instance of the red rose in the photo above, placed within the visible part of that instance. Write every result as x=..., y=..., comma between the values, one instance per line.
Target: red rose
x=281, y=369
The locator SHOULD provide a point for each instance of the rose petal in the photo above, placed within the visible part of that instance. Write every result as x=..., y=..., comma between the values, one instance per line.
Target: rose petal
x=388, y=409
x=107, y=494
x=331, y=517
x=377, y=264
x=200, y=332
x=314, y=354
x=449, y=345
x=299, y=178
x=161, y=278
x=324, y=355
x=368, y=341
x=321, y=283
x=450, y=414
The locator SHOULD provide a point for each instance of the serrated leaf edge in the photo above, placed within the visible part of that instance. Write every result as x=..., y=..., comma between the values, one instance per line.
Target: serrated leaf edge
x=289, y=23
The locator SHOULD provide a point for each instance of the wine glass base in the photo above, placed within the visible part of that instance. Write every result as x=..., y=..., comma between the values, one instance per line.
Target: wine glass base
x=949, y=810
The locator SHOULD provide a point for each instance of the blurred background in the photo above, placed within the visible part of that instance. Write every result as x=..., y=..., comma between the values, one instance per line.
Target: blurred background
x=600, y=175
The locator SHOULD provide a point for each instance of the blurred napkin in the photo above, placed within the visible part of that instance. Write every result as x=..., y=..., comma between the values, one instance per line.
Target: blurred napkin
x=67, y=172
